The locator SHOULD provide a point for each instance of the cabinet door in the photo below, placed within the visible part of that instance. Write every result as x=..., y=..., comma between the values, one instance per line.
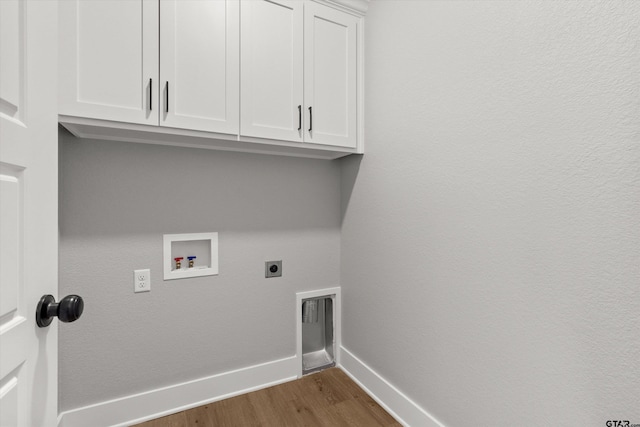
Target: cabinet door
x=109, y=60
x=271, y=61
x=330, y=74
x=199, y=64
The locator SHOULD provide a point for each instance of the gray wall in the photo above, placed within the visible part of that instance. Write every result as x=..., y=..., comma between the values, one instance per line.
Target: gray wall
x=490, y=243
x=491, y=233
x=116, y=202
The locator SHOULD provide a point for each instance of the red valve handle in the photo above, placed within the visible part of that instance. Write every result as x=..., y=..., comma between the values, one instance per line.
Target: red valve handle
x=179, y=258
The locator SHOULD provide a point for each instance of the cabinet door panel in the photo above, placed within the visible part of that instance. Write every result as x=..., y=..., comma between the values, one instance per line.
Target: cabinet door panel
x=200, y=60
x=109, y=59
x=331, y=75
x=271, y=59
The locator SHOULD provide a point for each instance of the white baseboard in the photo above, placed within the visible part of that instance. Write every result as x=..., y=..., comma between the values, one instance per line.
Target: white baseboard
x=157, y=403
x=403, y=409
x=152, y=404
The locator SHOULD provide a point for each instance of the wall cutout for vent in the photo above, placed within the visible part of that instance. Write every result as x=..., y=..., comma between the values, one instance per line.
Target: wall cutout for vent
x=318, y=329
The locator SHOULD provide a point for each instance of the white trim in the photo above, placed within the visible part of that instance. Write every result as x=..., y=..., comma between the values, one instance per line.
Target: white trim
x=157, y=403
x=403, y=409
x=355, y=7
x=164, y=401
x=337, y=321
x=107, y=130
x=361, y=80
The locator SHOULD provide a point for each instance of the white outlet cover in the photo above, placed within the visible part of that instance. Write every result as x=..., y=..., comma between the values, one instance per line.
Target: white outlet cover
x=142, y=280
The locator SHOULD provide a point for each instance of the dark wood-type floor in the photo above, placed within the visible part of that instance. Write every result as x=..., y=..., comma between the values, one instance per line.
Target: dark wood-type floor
x=324, y=399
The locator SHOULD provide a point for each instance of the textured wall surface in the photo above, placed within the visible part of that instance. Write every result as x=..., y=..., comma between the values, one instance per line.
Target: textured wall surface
x=491, y=232
x=116, y=202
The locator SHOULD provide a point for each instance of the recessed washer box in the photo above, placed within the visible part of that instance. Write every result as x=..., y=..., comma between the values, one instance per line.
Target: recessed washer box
x=202, y=246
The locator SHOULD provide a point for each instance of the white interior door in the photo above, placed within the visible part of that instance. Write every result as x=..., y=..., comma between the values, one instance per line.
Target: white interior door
x=28, y=210
x=271, y=63
x=199, y=64
x=109, y=60
x=330, y=76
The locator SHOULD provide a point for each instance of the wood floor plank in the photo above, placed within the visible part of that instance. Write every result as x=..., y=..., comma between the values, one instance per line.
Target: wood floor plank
x=377, y=411
x=302, y=413
x=363, y=398
x=343, y=381
x=270, y=405
x=235, y=411
x=326, y=416
x=355, y=414
x=325, y=399
x=200, y=416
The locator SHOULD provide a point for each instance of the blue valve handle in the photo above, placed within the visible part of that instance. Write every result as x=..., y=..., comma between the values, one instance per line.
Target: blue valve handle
x=191, y=257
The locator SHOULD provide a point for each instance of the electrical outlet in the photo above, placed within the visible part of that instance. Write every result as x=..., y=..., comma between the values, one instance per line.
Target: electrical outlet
x=272, y=269
x=142, y=280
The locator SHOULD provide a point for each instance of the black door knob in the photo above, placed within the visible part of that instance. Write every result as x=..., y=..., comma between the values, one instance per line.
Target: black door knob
x=67, y=310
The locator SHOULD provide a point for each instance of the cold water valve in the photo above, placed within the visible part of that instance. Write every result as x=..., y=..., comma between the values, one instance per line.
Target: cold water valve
x=191, y=258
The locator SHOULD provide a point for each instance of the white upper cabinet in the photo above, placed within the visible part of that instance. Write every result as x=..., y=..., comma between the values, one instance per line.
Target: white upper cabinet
x=109, y=59
x=299, y=75
x=170, y=63
x=199, y=65
x=330, y=76
x=263, y=76
x=272, y=63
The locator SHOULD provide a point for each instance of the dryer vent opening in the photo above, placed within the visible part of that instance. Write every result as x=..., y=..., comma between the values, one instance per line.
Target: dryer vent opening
x=318, y=338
